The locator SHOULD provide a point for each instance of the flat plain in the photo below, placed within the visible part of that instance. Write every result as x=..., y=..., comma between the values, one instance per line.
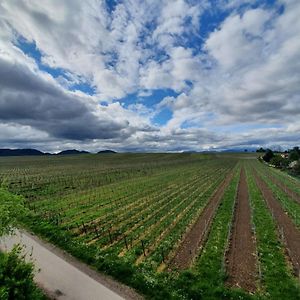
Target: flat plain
x=172, y=226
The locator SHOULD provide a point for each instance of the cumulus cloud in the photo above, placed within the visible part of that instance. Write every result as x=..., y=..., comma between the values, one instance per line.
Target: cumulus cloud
x=244, y=72
x=253, y=77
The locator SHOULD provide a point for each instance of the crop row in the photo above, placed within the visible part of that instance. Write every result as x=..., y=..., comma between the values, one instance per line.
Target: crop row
x=275, y=277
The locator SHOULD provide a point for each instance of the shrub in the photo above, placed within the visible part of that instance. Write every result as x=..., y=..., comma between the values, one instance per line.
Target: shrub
x=16, y=277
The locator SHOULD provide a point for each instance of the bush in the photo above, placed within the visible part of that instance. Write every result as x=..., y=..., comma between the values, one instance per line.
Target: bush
x=279, y=161
x=268, y=155
x=296, y=169
x=16, y=277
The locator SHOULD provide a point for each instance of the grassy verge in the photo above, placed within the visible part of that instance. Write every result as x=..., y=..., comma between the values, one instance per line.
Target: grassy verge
x=146, y=282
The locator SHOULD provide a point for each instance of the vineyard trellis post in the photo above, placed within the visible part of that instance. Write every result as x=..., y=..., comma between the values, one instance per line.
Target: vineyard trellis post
x=126, y=244
x=143, y=246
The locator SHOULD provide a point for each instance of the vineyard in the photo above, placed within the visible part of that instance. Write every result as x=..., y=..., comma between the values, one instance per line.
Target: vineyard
x=172, y=226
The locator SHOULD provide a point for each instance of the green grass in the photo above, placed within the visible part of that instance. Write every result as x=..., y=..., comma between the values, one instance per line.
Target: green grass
x=276, y=278
x=206, y=278
x=149, y=197
x=289, y=205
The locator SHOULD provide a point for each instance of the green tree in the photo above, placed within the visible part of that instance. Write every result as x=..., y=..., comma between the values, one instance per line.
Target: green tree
x=278, y=161
x=261, y=150
x=294, y=154
x=268, y=155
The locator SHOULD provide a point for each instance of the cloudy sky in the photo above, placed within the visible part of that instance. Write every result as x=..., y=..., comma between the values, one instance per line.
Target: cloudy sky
x=149, y=75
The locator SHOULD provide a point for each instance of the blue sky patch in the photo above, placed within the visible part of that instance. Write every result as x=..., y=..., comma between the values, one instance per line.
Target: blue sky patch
x=149, y=101
x=162, y=117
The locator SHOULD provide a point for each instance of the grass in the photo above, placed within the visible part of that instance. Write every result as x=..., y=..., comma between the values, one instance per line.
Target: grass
x=276, y=277
x=149, y=197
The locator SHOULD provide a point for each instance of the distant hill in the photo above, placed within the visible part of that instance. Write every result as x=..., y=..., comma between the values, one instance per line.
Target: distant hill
x=20, y=152
x=72, y=152
x=247, y=149
x=106, y=152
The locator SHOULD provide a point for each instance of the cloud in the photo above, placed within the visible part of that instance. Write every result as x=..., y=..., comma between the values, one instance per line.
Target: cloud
x=243, y=72
x=253, y=74
x=29, y=99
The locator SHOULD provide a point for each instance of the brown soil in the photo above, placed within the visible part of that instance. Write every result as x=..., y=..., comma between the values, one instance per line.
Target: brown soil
x=241, y=256
x=287, y=230
x=287, y=190
x=194, y=240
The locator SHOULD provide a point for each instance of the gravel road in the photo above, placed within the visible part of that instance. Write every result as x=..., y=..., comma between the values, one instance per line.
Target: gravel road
x=61, y=276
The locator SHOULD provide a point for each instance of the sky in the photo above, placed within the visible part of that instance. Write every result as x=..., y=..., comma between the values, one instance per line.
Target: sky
x=149, y=75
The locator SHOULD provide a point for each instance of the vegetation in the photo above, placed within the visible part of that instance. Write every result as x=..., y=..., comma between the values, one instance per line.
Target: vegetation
x=268, y=155
x=126, y=215
x=16, y=276
x=288, y=160
x=206, y=278
x=276, y=278
x=11, y=208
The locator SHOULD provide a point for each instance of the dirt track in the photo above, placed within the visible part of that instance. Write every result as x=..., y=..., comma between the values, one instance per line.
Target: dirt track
x=195, y=238
x=287, y=230
x=241, y=256
x=64, y=278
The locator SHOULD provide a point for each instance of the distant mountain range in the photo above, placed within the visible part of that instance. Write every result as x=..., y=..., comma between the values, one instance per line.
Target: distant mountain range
x=72, y=152
x=34, y=152
x=20, y=152
x=107, y=152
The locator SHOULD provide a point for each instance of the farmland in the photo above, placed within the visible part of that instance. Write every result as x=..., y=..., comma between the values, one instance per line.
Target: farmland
x=173, y=226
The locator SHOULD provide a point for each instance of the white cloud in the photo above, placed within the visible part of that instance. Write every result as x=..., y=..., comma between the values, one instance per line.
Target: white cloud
x=247, y=72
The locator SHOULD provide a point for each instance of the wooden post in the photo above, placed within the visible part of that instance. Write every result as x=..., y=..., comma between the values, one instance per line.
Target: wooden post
x=78, y=226
x=125, y=242
x=84, y=228
x=143, y=246
x=96, y=230
x=110, y=238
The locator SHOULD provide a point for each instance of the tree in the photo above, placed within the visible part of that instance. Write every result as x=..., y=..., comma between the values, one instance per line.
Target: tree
x=294, y=154
x=278, y=161
x=268, y=155
x=261, y=150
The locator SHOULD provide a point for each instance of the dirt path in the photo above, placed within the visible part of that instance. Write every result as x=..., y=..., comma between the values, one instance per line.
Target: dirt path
x=194, y=240
x=64, y=278
x=287, y=230
x=241, y=256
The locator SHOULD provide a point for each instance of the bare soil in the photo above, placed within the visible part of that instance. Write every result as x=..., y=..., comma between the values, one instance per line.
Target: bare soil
x=286, y=228
x=241, y=256
x=194, y=240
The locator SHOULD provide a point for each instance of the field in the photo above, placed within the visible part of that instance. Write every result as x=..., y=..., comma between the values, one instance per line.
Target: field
x=173, y=226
